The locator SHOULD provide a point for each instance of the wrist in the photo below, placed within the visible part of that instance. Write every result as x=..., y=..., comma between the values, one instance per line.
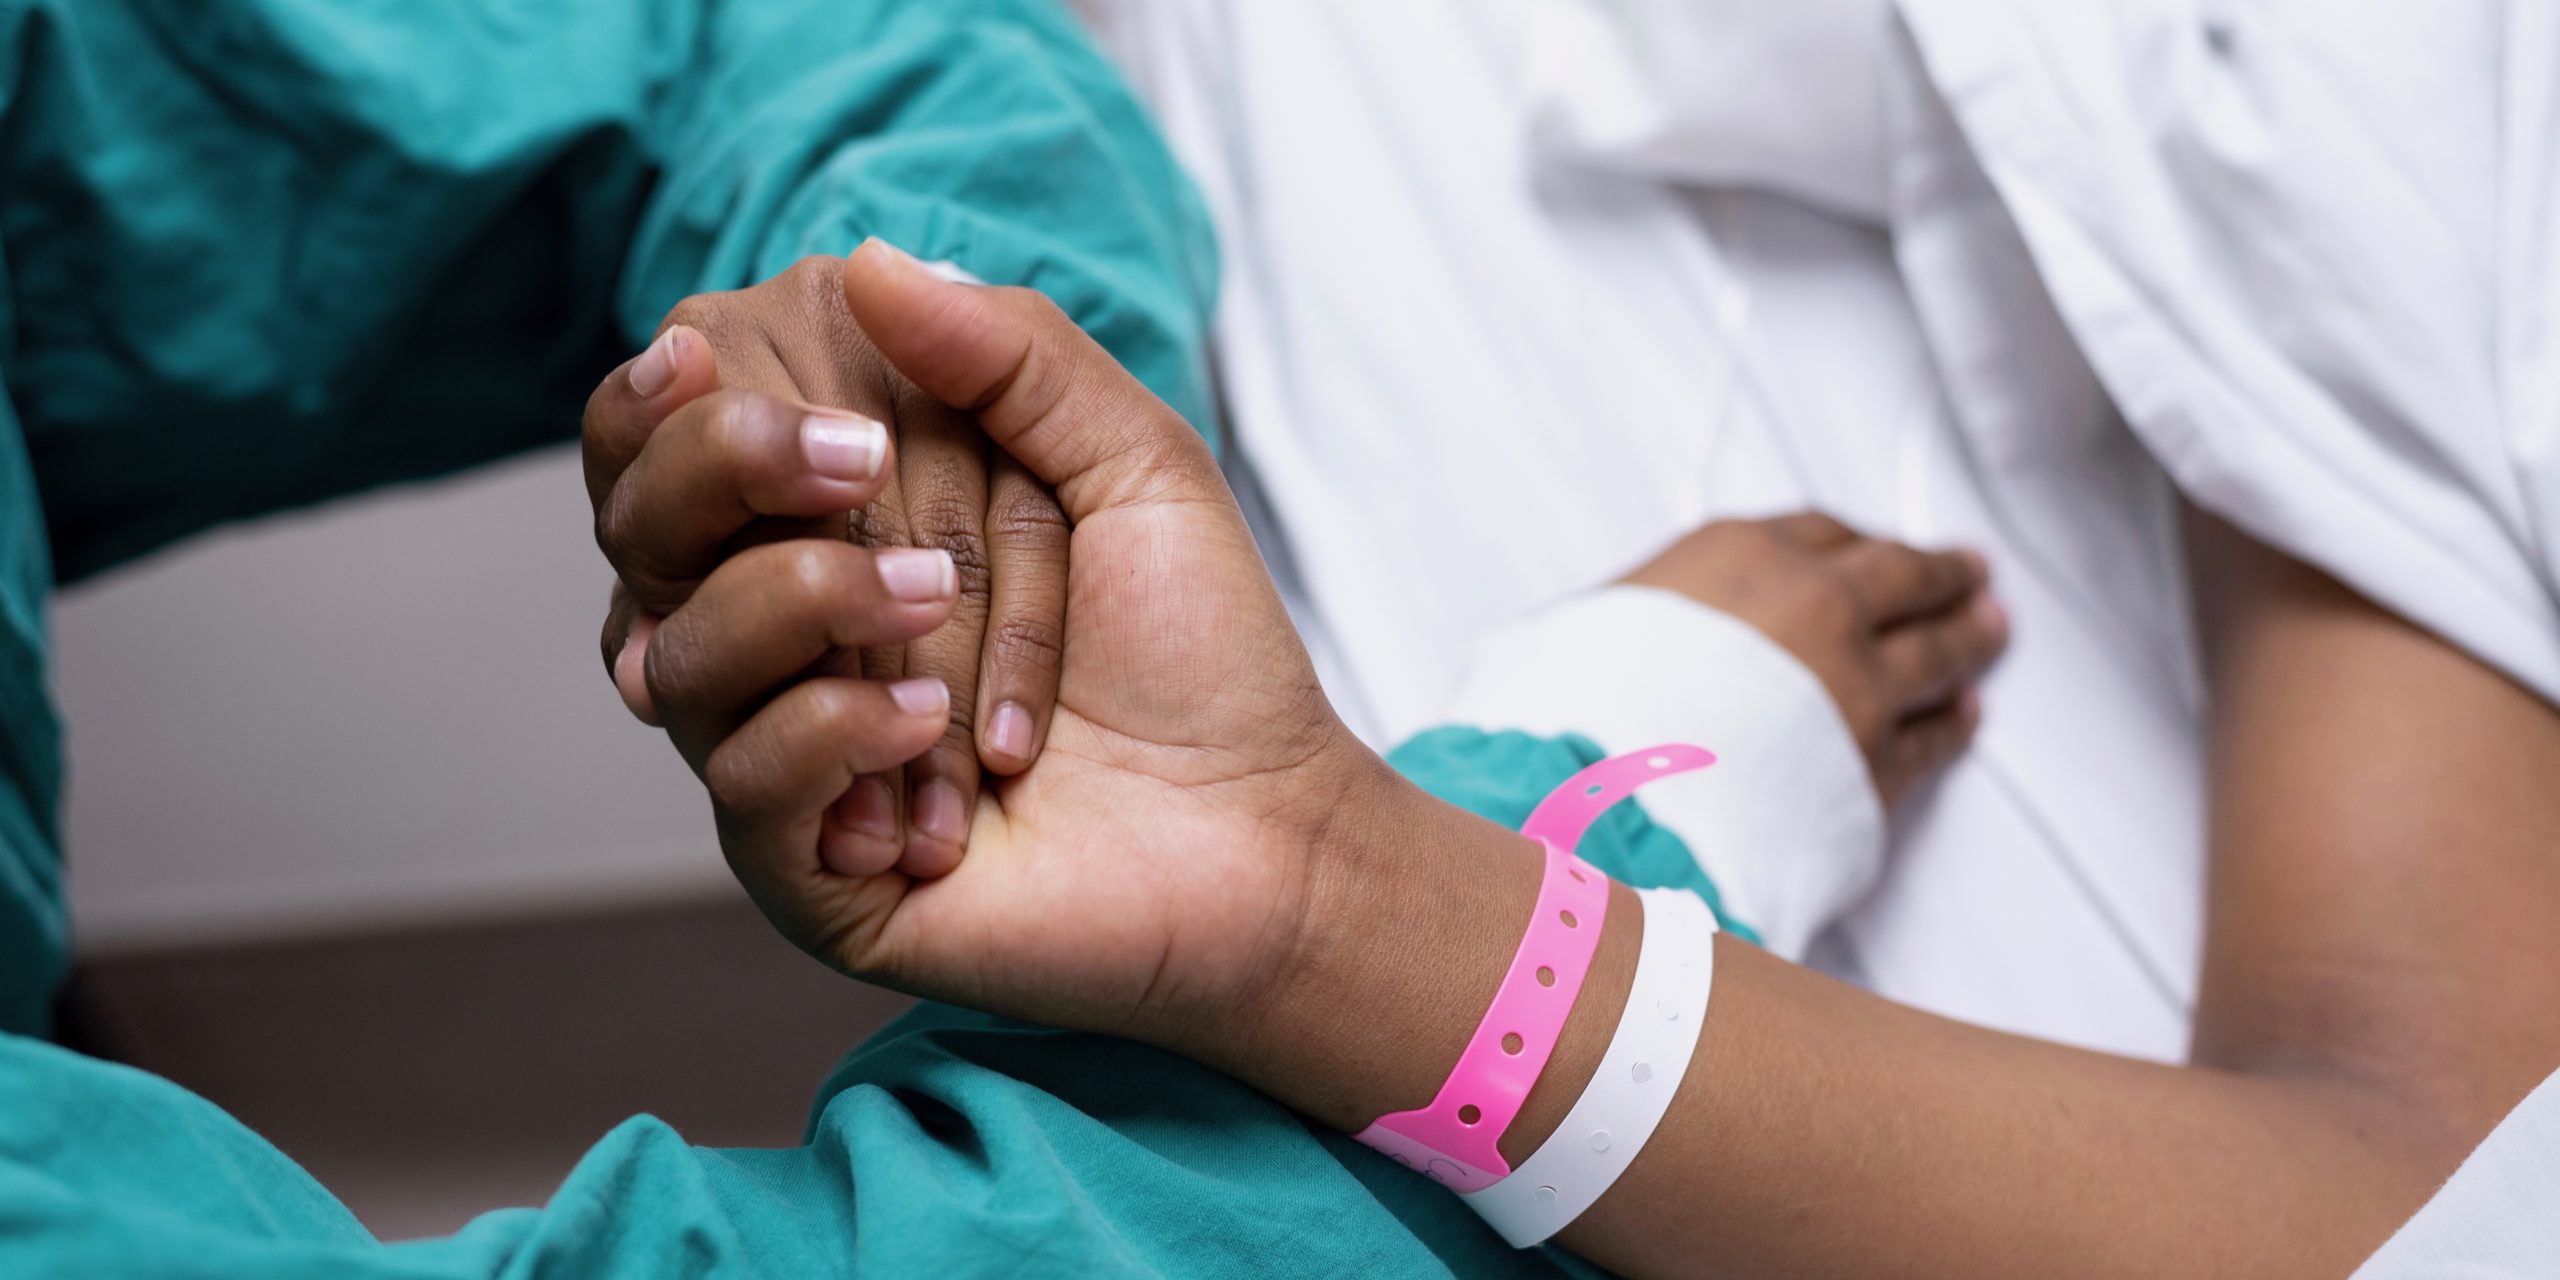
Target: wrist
x=1411, y=913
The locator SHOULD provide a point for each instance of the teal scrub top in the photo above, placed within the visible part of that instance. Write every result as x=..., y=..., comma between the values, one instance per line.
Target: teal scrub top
x=264, y=252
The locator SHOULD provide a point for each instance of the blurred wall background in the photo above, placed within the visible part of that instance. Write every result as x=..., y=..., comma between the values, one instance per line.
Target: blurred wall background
x=390, y=710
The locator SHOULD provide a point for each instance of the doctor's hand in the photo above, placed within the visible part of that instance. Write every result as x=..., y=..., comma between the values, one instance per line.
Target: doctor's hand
x=796, y=445
x=1897, y=636
x=1148, y=870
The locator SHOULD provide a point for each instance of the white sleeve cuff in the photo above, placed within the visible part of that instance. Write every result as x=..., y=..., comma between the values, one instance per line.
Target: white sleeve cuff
x=1786, y=824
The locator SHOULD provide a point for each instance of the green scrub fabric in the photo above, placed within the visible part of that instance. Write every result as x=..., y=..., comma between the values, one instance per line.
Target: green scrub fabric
x=261, y=253
x=953, y=1144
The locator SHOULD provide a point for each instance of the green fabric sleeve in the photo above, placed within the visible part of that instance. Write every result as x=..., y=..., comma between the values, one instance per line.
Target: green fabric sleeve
x=268, y=253
x=953, y=1144
x=987, y=135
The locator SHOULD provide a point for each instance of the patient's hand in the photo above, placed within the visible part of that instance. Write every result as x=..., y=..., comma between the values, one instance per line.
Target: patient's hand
x=1898, y=636
x=757, y=476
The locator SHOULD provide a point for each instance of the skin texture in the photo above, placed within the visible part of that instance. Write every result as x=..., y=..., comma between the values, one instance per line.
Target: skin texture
x=1203, y=858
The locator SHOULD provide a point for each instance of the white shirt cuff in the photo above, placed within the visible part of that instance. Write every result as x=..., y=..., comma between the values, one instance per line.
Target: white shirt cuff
x=1786, y=824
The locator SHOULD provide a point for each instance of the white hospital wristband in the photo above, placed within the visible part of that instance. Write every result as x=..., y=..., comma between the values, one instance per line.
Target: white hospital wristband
x=1632, y=1089
x=1786, y=824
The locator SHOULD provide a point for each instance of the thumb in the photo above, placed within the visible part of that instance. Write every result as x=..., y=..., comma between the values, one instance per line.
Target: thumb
x=1041, y=388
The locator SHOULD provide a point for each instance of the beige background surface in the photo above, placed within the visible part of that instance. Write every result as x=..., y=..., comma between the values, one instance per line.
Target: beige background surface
x=388, y=710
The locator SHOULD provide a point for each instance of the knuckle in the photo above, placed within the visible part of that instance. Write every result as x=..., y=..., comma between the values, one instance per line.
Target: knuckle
x=731, y=423
x=832, y=712
x=736, y=777
x=1035, y=305
x=1892, y=565
x=1946, y=575
x=1835, y=603
x=1993, y=644
x=818, y=573
x=674, y=668
x=818, y=283
x=1027, y=516
x=702, y=312
x=613, y=524
x=1975, y=643
x=618, y=525
x=812, y=268
x=882, y=524
x=1020, y=642
x=949, y=531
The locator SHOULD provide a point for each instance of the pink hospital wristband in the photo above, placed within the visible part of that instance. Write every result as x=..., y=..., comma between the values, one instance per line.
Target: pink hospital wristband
x=1454, y=1140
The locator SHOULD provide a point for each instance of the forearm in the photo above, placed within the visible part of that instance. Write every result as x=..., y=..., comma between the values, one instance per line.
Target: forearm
x=1826, y=1131
x=2385, y=894
x=1820, y=1130
x=2375, y=995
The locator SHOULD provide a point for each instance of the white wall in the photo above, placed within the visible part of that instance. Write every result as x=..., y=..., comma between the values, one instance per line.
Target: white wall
x=389, y=710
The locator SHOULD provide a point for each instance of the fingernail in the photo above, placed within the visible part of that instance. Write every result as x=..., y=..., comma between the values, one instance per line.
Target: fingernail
x=656, y=366
x=1987, y=607
x=873, y=809
x=1981, y=566
x=916, y=575
x=920, y=697
x=843, y=448
x=937, y=812
x=1009, y=731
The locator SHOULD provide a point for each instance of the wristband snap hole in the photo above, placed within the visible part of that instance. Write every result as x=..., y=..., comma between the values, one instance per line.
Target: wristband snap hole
x=1469, y=1114
x=1592, y=790
x=1643, y=1071
x=1546, y=976
x=1511, y=1043
x=1578, y=877
x=1569, y=921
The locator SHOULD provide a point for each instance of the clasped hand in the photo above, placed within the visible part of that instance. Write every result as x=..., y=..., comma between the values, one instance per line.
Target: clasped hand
x=1150, y=865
